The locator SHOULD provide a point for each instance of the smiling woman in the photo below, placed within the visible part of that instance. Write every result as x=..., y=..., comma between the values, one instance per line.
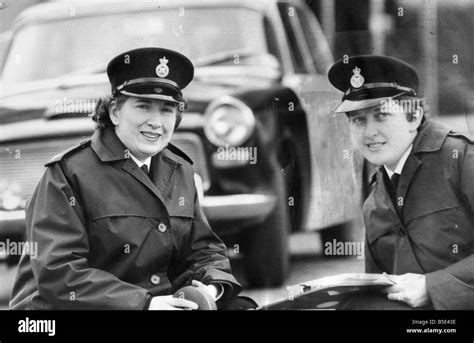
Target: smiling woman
x=145, y=126
x=117, y=218
x=382, y=137
x=420, y=208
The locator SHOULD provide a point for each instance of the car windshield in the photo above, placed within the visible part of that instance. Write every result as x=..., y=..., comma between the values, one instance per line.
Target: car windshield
x=85, y=44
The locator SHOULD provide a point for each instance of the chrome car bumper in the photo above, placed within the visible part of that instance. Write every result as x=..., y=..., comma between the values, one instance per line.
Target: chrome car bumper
x=238, y=206
x=12, y=223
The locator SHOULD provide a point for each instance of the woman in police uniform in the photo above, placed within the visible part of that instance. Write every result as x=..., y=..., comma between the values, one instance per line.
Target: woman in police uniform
x=117, y=218
x=419, y=217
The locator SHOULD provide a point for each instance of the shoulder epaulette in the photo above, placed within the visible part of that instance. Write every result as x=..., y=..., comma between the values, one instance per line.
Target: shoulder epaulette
x=67, y=152
x=465, y=136
x=174, y=149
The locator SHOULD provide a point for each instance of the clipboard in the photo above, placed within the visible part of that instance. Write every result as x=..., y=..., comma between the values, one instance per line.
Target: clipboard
x=329, y=293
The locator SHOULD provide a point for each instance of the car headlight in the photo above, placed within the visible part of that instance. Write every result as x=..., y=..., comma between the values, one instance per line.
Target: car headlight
x=10, y=196
x=228, y=121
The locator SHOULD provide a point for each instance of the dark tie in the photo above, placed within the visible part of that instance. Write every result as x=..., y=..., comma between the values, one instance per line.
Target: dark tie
x=145, y=169
x=395, y=178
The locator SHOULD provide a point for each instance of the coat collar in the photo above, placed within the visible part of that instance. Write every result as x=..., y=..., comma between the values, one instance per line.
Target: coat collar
x=109, y=148
x=160, y=181
x=430, y=139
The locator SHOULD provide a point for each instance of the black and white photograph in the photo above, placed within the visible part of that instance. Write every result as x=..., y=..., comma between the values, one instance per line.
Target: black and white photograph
x=265, y=159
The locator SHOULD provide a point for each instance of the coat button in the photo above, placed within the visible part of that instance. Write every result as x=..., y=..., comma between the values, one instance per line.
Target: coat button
x=401, y=233
x=155, y=279
x=162, y=227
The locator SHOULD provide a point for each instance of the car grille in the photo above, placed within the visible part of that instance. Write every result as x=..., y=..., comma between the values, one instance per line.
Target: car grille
x=192, y=145
x=22, y=164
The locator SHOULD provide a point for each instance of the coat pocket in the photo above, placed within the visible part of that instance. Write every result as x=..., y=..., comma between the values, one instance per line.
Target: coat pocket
x=181, y=207
x=430, y=200
x=122, y=242
x=181, y=216
x=434, y=210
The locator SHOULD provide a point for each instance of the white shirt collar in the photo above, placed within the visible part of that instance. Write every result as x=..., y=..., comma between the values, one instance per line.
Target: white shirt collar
x=140, y=163
x=400, y=164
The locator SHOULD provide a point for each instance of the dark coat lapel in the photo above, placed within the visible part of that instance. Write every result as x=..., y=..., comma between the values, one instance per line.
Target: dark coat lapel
x=162, y=173
x=131, y=167
x=109, y=148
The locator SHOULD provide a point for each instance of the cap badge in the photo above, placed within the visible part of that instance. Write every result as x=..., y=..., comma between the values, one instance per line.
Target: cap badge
x=162, y=70
x=357, y=80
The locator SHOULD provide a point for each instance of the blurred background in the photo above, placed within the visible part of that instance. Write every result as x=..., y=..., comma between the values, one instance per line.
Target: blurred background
x=429, y=34
x=434, y=36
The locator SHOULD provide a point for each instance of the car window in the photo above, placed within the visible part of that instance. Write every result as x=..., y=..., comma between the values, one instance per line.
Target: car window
x=299, y=48
x=51, y=49
x=318, y=50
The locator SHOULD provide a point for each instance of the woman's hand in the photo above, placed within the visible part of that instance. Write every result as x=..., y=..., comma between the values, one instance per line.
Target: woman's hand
x=209, y=289
x=169, y=303
x=410, y=288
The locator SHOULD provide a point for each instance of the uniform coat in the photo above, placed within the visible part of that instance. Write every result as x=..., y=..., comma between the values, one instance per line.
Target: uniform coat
x=111, y=237
x=432, y=230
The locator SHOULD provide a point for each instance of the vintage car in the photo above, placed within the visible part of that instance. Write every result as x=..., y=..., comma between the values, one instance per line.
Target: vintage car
x=270, y=155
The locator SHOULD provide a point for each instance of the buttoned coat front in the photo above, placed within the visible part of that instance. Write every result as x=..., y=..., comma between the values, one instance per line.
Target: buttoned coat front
x=431, y=229
x=110, y=237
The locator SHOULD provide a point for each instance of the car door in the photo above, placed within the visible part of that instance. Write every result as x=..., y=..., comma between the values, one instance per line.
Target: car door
x=335, y=171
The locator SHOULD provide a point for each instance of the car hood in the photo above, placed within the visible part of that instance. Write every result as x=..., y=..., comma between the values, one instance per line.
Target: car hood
x=76, y=96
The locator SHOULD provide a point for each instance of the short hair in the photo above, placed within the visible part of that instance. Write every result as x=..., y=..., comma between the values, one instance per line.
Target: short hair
x=101, y=113
x=413, y=106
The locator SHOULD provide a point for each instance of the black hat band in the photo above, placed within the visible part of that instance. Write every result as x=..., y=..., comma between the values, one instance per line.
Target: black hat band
x=148, y=80
x=378, y=85
x=178, y=100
